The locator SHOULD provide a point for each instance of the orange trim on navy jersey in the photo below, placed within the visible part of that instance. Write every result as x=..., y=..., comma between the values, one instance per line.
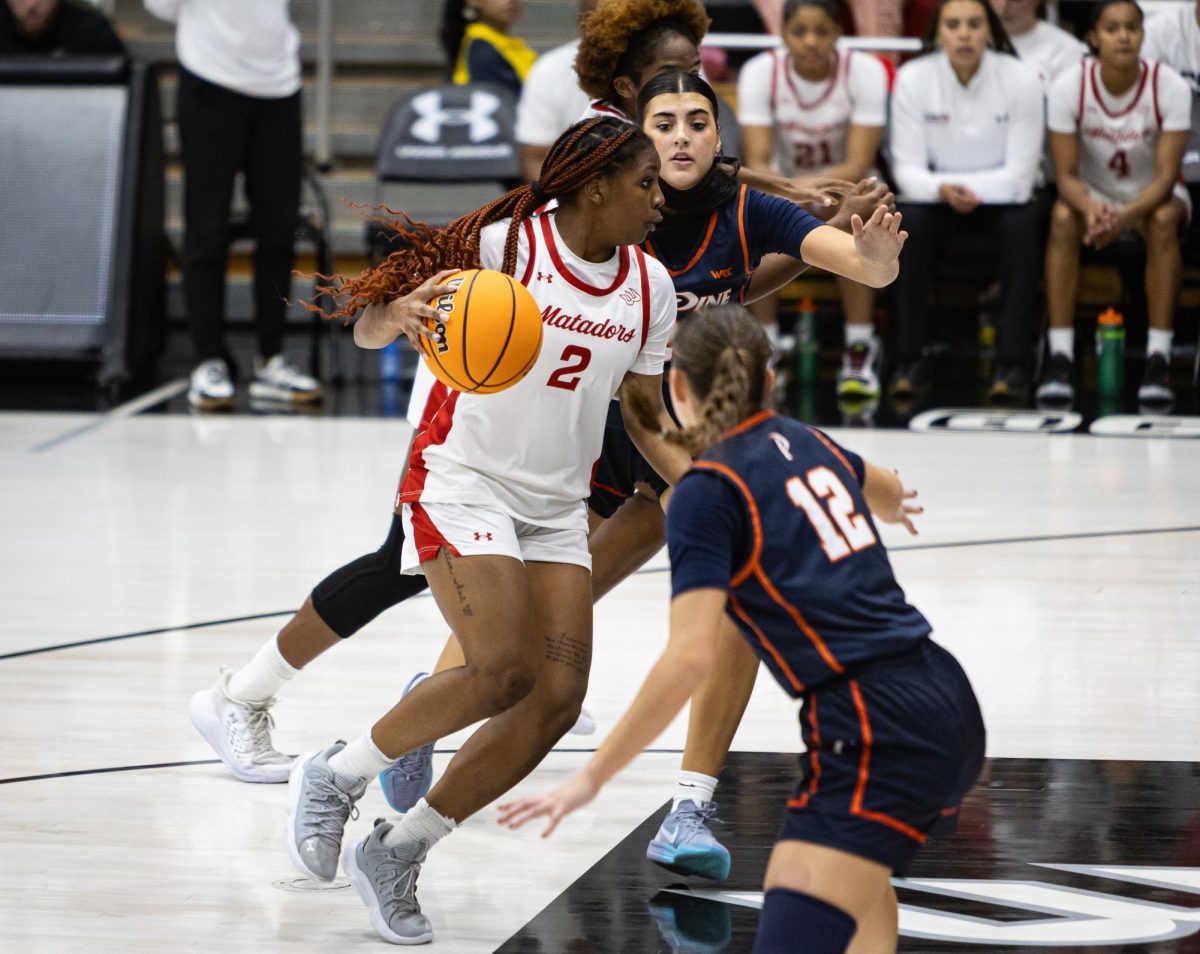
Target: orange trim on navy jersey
x=948, y=812
x=833, y=450
x=813, y=755
x=742, y=228
x=748, y=423
x=571, y=277
x=608, y=489
x=766, y=643
x=645, y=283
x=743, y=574
x=798, y=618
x=675, y=273
x=864, y=774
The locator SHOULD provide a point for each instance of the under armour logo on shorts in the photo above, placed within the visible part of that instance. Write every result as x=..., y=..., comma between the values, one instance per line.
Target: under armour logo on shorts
x=483, y=536
x=479, y=117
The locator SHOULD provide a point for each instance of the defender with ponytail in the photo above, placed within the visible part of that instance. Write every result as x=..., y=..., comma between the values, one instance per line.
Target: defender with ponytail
x=774, y=527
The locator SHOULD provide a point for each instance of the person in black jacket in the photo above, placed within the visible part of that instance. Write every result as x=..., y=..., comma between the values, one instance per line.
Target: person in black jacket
x=55, y=28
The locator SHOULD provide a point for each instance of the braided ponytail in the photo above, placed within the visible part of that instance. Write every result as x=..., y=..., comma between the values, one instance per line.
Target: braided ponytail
x=590, y=148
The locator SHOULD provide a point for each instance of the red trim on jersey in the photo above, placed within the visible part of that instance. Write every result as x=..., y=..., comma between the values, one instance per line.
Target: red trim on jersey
x=531, y=249
x=833, y=81
x=1154, y=89
x=742, y=228
x=427, y=538
x=575, y=280
x=607, y=489
x=600, y=106
x=434, y=432
x=864, y=775
x=780, y=59
x=1083, y=74
x=1096, y=84
x=645, y=282
x=676, y=272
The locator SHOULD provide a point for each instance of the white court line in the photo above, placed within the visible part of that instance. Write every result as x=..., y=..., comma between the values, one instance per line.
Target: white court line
x=148, y=400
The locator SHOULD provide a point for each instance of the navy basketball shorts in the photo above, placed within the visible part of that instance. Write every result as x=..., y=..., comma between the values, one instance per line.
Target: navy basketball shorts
x=892, y=750
x=620, y=469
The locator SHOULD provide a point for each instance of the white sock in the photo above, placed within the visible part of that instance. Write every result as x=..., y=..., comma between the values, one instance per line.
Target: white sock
x=1159, y=342
x=263, y=676
x=695, y=787
x=860, y=334
x=422, y=822
x=360, y=759
x=1062, y=341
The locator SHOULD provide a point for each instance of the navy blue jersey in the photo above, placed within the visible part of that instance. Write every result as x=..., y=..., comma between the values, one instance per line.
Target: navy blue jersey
x=714, y=266
x=775, y=515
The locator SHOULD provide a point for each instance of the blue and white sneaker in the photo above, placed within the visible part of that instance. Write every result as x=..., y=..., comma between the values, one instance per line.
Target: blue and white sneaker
x=410, y=777
x=686, y=846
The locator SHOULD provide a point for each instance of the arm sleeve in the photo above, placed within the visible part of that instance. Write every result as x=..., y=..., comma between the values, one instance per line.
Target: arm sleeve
x=1174, y=100
x=164, y=9
x=867, y=80
x=910, y=153
x=754, y=91
x=706, y=533
x=1062, y=103
x=486, y=65
x=776, y=225
x=653, y=356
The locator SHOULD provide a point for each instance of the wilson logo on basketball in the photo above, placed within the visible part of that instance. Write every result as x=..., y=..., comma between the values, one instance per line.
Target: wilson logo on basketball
x=607, y=329
x=445, y=304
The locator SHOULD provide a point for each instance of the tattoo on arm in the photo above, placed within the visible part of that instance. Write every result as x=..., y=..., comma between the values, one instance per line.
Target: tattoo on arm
x=569, y=651
x=459, y=589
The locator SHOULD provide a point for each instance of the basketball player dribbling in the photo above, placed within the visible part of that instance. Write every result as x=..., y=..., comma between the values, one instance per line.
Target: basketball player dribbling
x=773, y=529
x=493, y=503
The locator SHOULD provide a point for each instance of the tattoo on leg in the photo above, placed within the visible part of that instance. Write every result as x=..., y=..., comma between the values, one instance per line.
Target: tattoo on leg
x=570, y=651
x=459, y=589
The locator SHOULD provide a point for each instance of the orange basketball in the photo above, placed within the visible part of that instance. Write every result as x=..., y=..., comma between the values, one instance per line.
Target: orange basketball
x=489, y=333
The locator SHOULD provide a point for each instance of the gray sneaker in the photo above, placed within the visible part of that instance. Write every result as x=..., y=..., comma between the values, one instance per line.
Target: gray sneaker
x=386, y=880
x=319, y=805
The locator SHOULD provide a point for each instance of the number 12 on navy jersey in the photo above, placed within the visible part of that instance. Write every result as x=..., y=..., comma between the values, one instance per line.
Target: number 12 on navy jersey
x=826, y=502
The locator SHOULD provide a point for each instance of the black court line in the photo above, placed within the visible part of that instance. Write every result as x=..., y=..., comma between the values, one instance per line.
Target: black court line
x=137, y=405
x=954, y=544
x=160, y=765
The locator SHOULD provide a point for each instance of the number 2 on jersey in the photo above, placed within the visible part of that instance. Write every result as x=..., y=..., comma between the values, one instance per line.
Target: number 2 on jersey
x=853, y=531
x=567, y=377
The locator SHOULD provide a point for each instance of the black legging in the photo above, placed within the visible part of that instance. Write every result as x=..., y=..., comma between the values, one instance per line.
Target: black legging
x=221, y=133
x=1018, y=250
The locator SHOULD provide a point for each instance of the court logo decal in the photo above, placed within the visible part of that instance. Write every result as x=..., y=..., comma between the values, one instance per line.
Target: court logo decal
x=1147, y=425
x=1009, y=422
x=1078, y=916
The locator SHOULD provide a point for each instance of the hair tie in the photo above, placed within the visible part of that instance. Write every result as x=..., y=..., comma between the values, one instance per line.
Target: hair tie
x=539, y=196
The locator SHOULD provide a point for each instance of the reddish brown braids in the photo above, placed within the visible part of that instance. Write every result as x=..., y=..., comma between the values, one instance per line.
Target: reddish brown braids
x=593, y=147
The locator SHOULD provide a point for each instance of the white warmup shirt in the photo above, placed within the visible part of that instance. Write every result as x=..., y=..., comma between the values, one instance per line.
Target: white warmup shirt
x=1118, y=135
x=551, y=99
x=248, y=46
x=811, y=121
x=986, y=135
x=1049, y=50
x=530, y=450
x=1173, y=38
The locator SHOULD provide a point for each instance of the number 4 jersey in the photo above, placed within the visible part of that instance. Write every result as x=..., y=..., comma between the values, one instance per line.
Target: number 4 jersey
x=1118, y=135
x=530, y=449
x=774, y=514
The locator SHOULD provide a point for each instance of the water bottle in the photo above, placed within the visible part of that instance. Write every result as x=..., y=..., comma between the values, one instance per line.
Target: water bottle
x=1110, y=352
x=807, y=351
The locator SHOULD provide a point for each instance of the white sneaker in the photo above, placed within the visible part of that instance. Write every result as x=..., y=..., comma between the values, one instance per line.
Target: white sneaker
x=240, y=733
x=857, y=377
x=211, y=386
x=277, y=379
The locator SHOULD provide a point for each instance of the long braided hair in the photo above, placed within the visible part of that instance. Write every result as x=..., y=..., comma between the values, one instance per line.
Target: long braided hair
x=724, y=353
x=591, y=148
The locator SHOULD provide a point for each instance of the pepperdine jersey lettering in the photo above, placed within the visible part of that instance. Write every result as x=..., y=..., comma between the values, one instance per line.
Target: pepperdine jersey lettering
x=530, y=449
x=1118, y=136
x=774, y=508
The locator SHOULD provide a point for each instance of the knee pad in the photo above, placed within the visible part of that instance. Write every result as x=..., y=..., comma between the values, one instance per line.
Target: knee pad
x=352, y=596
x=795, y=923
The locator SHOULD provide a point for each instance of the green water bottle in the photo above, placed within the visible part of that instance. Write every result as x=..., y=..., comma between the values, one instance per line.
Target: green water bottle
x=807, y=351
x=1110, y=352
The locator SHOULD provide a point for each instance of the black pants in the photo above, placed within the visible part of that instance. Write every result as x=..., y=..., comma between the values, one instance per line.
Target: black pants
x=221, y=133
x=1017, y=240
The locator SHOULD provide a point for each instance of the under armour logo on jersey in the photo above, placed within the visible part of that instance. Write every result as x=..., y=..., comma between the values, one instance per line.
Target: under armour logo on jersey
x=547, y=277
x=483, y=536
x=784, y=445
x=433, y=116
x=630, y=297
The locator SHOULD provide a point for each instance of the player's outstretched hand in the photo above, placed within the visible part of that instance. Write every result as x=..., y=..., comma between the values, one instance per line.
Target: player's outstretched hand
x=866, y=196
x=571, y=795
x=818, y=191
x=408, y=315
x=905, y=509
x=879, y=239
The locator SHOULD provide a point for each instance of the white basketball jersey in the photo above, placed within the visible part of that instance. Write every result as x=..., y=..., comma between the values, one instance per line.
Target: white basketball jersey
x=1117, y=145
x=530, y=450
